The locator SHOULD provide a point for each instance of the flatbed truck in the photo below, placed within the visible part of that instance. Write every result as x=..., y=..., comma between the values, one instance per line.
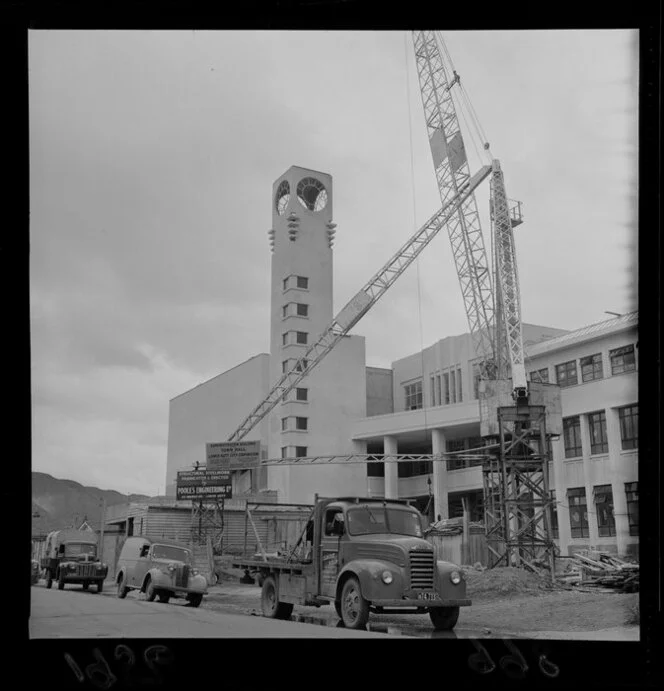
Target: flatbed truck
x=363, y=556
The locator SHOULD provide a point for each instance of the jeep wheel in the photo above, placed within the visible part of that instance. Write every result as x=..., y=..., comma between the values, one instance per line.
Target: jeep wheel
x=164, y=597
x=271, y=607
x=195, y=599
x=444, y=618
x=85, y=585
x=354, y=608
x=122, y=589
x=61, y=581
x=100, y=586
x=150, y=591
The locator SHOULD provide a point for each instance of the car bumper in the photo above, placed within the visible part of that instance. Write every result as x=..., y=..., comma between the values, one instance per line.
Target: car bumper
x=426, y=604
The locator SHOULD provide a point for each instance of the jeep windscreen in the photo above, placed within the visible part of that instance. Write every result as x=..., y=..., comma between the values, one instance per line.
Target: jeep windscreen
x=79, y=549
x=366, y=521
x=171, y=553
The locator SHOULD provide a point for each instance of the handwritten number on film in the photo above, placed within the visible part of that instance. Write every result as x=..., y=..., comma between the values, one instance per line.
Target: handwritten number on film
x=100, y=674
x=514, y=664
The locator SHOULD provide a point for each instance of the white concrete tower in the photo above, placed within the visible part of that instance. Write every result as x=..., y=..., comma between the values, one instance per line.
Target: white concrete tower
x=315, y=412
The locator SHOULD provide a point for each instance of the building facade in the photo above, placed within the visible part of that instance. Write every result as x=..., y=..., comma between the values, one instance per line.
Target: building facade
x=425, y=403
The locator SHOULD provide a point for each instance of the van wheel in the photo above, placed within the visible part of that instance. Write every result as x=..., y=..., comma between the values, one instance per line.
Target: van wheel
x=354, y=608
x=164, y=597
x=195, y=599
x=122, y=589
x=150, y=591
x=444, y=618
x=271, y=607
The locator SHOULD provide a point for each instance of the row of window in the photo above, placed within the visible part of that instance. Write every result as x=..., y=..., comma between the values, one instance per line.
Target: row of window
x=293, y=451
x=599, y=443
x=294, y=364
x=294, y=422
x=301, y=282
x=453, y=445
x=446, y=388
x=603, y=500
x=622, y=360
x=404, y=469
x=295, y=309
x=294, y=338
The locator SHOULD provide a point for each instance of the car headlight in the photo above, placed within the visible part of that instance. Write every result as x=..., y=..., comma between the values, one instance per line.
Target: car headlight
x=387, y=577
x=455, y=577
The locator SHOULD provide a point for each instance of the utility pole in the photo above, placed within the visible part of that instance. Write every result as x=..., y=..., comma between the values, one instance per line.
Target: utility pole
x=101, y=536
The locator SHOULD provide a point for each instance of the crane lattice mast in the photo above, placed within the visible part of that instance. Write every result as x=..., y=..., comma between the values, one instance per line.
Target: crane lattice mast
x=452, y=171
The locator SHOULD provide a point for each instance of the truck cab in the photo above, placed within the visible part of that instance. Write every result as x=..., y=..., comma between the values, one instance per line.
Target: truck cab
x=364, y=556
x=71, y=557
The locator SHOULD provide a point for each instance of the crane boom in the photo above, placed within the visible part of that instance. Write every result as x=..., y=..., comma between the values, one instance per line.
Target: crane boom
x=507, y=277
x=452, y=171
x=360, y=304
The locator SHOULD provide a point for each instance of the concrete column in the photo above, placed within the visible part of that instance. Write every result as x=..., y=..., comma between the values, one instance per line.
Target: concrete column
x=440, y=491
x=558, y=483
x=391, y=475
x=587, y=478
x=618, y=478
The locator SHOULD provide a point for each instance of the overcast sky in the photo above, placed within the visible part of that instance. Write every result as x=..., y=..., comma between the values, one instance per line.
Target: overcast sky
x=152, y=158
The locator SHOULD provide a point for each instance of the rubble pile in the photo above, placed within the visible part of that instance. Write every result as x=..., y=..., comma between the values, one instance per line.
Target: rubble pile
x=601, y=569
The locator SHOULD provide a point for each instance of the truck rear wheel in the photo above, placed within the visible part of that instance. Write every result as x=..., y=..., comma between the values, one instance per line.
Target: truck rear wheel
x=444, y=618
x=354, y=608
x=61, y=581
x=85, y=585
x=49, y=579
x=272, y=608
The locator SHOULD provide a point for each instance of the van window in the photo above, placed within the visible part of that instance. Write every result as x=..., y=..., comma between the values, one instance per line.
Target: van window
x=168, y=552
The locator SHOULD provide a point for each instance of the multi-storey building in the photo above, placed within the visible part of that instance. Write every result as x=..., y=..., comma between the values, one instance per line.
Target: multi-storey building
x=425, y=403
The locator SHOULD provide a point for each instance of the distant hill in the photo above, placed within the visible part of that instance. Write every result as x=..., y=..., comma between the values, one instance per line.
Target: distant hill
x=65, y=503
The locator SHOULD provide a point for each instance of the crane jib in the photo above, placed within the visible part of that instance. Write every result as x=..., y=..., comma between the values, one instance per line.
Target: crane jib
x=359, y=305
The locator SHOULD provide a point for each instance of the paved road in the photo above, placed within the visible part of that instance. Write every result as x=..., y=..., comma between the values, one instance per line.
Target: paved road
x=76, y=613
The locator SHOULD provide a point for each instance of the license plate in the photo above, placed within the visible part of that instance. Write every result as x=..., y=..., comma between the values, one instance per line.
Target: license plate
x=428, y=596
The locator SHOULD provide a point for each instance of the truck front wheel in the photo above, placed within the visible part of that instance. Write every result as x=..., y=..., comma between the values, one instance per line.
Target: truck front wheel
x=354, y=608
x=444, y=618
x=100, y=586
x=49, y=579
x=61, y=581
x=272, y=608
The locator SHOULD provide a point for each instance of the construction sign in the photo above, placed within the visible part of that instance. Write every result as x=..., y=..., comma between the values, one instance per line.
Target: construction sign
x=233, y=455
x=203, y=484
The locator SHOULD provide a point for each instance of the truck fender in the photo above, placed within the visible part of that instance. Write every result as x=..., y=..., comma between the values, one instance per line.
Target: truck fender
x=369, y=572
x=446, y=588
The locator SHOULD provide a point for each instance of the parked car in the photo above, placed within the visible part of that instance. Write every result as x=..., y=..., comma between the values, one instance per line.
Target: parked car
x=35, y=572
x=159, y=568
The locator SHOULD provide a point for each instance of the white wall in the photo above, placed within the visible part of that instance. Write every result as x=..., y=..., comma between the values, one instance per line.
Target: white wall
x=211, y=411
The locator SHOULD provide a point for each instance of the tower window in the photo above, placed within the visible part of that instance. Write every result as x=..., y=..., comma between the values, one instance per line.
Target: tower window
x=301, y=337
x=303, y=282
x=302, y=310
x=300, y=451
x=301, y=394
x=302, y=423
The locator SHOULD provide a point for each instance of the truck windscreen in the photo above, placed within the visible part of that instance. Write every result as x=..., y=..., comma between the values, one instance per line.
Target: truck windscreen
x=75, y=549
x=366, y=521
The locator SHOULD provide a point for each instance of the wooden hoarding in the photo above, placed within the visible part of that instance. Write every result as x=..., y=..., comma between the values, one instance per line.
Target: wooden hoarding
x=203, y=484
x=229, y=455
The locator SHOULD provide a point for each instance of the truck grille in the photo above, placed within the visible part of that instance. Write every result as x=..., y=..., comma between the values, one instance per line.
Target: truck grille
x=182, y=575
x=86, y=570
x=421, y=569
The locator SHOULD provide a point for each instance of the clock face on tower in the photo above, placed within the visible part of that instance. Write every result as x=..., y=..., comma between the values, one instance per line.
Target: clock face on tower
x=311, y=193
x=282, y=197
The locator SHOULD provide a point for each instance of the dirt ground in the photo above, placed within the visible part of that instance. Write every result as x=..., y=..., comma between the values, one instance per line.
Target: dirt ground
x=504, y=600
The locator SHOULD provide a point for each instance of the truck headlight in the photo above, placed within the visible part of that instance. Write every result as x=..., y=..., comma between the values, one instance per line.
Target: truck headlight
x=195, y=572
x=455, y=577
x=71, y=567
x=387, y=577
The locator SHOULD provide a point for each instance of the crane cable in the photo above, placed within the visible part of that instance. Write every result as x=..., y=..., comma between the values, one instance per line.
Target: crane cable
x=419, y=286
x=465, y=103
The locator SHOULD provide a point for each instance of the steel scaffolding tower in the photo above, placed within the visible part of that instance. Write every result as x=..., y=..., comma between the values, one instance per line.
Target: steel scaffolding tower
x=516, y=490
